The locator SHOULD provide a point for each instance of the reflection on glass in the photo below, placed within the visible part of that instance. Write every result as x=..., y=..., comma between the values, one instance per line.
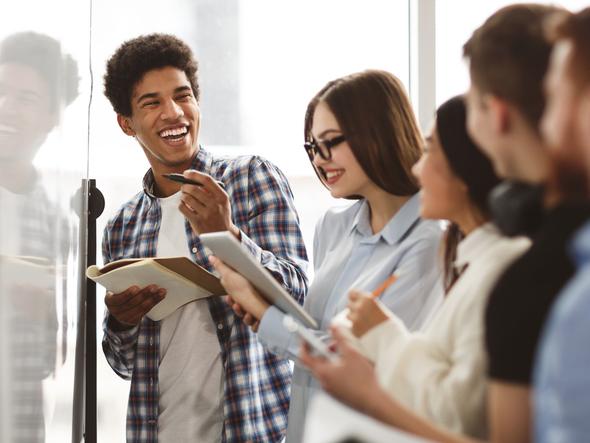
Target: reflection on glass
x=36, y=82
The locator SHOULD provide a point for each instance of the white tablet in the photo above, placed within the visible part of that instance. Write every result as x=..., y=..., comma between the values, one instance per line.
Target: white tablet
x=225, y=246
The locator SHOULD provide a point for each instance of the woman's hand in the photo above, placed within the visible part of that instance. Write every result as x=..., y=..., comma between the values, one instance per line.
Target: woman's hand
x=364, y=312
x=337, y=378
x=243, y=298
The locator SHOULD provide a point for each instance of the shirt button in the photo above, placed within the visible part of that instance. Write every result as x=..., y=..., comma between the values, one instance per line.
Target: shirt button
x=151, y=341
x=219, y=326
x=151, y=381
x=194, y=250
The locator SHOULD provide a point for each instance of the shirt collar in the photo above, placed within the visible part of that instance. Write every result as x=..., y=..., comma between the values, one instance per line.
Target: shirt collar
x=475, y=243
x=395, y=229
x=202, y=161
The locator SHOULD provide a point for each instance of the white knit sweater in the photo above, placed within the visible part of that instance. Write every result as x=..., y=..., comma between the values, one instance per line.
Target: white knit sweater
x=439, y=372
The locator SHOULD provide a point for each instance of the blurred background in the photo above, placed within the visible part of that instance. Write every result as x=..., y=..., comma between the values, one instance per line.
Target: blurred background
x=260, y=61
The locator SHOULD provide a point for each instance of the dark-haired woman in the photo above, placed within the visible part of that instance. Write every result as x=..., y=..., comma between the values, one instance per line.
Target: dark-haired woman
x=362, y=139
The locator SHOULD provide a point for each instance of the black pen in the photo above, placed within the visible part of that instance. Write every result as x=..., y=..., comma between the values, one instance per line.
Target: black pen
x=174, y=176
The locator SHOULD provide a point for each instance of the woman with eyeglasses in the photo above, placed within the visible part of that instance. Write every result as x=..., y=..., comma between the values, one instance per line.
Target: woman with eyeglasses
x=362, y=139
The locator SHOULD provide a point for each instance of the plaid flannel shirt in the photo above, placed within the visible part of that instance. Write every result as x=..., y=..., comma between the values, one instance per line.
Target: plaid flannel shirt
x=257, y=383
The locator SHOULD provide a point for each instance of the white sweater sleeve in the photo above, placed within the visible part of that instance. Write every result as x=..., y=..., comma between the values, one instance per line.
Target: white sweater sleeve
x=440, y=373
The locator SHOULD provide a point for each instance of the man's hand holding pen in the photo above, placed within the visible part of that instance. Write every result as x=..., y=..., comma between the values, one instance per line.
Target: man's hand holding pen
x=206, y=206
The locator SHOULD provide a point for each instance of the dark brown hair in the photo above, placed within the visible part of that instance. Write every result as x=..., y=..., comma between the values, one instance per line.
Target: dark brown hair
x=376, y=118
x=575, y=28
x=135, y=57
x=509, y=55
x=471, y=166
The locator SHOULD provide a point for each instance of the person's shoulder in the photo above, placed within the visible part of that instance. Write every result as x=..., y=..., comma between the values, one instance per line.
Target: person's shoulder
x=334, y=225
x=574, y=301
x=427, y=230
x=246, y=162
x=505, y=246
x=494, y=253
x=126, y=211
x=514, y=246
x=543, y=268
x=342, y=214
x=250, y=170
x=338, y=220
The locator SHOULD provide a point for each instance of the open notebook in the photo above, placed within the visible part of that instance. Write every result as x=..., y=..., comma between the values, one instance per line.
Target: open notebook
x=183, y=279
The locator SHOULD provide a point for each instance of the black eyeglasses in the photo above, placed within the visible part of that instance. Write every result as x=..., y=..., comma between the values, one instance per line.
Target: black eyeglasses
x=322, y=147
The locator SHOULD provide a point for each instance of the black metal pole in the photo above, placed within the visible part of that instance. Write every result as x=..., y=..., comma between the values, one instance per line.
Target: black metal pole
x=89, y=203
x=95, y=208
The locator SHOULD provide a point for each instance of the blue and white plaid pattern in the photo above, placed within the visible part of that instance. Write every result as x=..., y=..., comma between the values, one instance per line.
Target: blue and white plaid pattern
x=257, y=383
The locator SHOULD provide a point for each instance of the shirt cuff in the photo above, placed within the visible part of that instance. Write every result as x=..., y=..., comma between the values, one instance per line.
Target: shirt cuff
x=254, y=249
x=122, y=339
x=273, y=334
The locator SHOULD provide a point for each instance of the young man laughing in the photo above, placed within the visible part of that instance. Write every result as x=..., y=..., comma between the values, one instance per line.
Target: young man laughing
x=199, y=374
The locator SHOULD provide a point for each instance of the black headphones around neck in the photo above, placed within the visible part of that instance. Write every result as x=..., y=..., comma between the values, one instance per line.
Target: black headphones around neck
x=516, y=207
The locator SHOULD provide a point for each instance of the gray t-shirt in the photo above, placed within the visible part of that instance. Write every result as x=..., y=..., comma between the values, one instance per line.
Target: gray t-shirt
x=191, y=371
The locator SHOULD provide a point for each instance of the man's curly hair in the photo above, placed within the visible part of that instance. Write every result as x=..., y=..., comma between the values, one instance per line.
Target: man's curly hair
x=137, y=56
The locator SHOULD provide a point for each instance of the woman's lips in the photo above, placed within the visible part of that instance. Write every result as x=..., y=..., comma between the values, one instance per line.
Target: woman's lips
x=333, y=175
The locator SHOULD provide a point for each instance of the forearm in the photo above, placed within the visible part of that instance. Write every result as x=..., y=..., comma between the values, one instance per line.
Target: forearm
x=288, y=267
x=270, y=227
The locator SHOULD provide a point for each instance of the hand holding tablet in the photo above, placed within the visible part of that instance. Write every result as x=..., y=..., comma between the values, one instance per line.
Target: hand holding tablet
x=228, y=249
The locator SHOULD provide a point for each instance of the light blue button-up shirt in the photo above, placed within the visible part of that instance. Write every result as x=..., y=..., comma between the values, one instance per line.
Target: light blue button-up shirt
x=347, y=254
x=562, y=373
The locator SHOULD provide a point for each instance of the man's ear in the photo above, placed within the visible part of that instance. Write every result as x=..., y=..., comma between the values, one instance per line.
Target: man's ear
x=125, y=125
x=500, y=115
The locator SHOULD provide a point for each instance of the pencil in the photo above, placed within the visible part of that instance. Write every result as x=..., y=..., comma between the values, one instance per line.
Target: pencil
x=383, y=286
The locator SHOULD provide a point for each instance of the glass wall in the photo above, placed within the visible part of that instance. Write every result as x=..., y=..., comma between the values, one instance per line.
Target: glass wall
x=455, y=22
x=44, y=92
